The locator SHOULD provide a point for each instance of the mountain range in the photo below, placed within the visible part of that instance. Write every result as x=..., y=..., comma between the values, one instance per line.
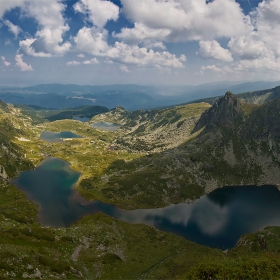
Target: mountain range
x=158, y=157
x=131, y=97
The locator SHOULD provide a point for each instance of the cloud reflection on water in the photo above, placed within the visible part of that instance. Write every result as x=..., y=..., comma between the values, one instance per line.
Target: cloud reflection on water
x=217, y=219
x=209, y=217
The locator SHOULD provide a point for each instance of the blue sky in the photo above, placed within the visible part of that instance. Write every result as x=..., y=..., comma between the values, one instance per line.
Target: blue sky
x=172, y=42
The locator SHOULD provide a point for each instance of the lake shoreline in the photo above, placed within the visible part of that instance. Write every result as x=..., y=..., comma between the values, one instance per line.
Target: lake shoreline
x=215, y=220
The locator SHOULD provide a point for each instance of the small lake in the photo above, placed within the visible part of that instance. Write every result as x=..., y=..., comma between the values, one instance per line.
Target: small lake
x=106, y=126
x=216, y=220
x=49, y=136
x=51, y=186
x=81, y=119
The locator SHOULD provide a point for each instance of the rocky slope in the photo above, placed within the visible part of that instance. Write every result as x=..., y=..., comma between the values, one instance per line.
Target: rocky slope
x=153, y=130
x=96, y=247
x=233, y=143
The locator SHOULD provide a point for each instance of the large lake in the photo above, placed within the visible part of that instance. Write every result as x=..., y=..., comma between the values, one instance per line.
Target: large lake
x=49, y=136
x=217, y=219
x=106, y=126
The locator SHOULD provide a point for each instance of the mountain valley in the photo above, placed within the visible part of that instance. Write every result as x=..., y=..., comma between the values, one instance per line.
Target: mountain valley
x=156, y=158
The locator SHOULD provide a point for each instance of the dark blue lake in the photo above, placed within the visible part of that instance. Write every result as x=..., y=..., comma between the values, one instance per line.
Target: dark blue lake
x=106, y=126
x=49, y=136
x=217, y=219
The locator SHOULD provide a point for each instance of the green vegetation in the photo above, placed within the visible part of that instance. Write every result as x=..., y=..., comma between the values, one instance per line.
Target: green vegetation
x=255, y=256
x=95, y=247
x=153, y=130
x=236, y=143
x=81, y=112
x=257, y=267
x=39, y=114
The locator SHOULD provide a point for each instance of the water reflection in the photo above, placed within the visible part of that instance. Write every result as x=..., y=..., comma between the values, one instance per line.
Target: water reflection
x=81, y=119
x=106, y=126
x=49, y=136
x=50, y=186
x=217, y=219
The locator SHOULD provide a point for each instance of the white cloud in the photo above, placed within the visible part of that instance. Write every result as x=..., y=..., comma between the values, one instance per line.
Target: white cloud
x=6, y=63
x=124, y=68
x=265, y=64
x=183, y=20
x=248, y=47
x=141, y=33
x=73, y=63
x=86, y=62
x=183, y=58
x=260, y=49
x=92, y=61
x=212, y=49
x=94, y=41
x=91, y=40
x=12, y=27
x=81, y=55
x=8, y=42
x=127, y=54
x=213, y=68
x=228, y=69
x=9, y=5
x=48, y=40
x=21, y=64
x=268, y=12
x=152, y=44
x=98, y=12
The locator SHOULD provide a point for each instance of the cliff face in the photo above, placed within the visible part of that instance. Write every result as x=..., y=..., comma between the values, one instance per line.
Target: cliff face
x=235, y=143
x=264, y=123
x=222, y=114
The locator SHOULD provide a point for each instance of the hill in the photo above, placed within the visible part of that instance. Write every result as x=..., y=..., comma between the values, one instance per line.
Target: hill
x=129, y=96
x=232, y=143
x=153, y=130
x=96, y=246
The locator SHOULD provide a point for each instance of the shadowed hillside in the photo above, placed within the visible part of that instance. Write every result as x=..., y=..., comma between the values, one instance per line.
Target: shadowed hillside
x=233, y=143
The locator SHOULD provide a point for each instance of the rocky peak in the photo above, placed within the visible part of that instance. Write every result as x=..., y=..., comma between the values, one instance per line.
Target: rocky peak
x=119, y=109
x=229, y=97
x=222, y=113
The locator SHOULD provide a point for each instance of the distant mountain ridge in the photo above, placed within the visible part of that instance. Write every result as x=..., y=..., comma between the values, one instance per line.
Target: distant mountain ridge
x=129, y=96
x=252, y=97
x=229, y=143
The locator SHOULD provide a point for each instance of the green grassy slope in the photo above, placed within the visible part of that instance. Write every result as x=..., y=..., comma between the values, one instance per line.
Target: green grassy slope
x=40, y=115
x=236, y=144
x=154, y=130
x=95, y=247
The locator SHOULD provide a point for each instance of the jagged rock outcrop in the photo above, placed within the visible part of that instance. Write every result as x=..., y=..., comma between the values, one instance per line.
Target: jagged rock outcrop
x=222, y=113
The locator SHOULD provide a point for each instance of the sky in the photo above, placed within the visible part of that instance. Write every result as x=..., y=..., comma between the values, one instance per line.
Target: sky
x=147, y=42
